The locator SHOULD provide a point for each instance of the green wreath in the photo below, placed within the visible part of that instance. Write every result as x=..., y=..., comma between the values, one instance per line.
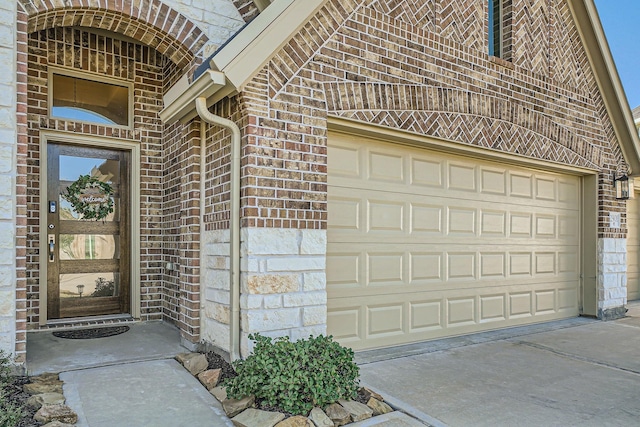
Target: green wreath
x=80, y=197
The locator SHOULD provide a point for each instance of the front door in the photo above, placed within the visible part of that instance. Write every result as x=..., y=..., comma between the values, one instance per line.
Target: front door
x=88, y=236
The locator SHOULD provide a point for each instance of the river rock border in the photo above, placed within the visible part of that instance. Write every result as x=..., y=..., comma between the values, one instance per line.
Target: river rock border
x=48, y=400
x=243, y=413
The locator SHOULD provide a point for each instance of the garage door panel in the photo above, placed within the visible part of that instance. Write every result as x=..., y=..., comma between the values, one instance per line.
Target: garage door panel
x=445, y=244
x=396, y=264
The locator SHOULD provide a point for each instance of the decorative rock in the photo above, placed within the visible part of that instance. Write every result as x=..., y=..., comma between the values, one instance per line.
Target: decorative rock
x=58, y=424
x=193, y=362
x=297, y=421
x=368, y=394
x=210, y=378
x=256, y=418
x=233, y=407
x=45, y=378
x=357, y=410
x=37, y=401
x=219, y=393
x=378, y=407
x=338, y=414
x=43, y=387
x=60, y=413
x=319, y=418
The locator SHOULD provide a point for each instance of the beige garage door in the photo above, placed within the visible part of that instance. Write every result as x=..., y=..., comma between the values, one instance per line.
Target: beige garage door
x=633, y=246
x=423, y=244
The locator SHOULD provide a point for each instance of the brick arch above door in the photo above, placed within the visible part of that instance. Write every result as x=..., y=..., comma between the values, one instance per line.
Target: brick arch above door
x=151, y=22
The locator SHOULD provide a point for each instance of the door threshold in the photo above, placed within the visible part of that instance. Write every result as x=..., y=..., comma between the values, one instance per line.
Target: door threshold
x=80, y=322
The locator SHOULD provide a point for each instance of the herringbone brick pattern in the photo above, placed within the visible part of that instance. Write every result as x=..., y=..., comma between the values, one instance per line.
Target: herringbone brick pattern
x=385, y=62
x=532, y=32
x=463, y=22
x=420, y=14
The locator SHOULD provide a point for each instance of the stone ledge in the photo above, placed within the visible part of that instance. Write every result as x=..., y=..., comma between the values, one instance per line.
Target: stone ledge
x=612, y=313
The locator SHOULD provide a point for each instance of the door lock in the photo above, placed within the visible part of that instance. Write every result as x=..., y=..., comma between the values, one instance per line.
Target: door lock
x=52, y=247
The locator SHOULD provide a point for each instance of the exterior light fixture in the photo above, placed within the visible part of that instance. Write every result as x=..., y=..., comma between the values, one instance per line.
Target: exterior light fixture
x=80, y=289
x=623, y=187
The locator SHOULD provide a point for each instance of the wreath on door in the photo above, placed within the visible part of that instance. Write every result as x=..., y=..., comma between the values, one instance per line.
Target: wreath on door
x=90, y=197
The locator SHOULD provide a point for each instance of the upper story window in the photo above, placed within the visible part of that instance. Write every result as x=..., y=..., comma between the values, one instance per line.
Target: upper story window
x=96, y=101
x=496, y=28
x=500, y=30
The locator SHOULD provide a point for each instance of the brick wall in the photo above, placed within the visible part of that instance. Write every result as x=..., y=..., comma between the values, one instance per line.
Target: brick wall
x=88, y=52
x=417, y=66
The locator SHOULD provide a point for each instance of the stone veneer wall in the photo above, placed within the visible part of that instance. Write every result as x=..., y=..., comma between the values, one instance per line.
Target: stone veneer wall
x=282, y=285
x=8, y=177
x=612, y=278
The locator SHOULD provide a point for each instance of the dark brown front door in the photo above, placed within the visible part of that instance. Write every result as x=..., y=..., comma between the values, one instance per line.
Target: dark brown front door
x=88, y=271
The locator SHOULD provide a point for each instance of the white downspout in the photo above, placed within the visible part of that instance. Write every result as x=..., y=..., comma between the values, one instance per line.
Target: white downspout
x=234, y=221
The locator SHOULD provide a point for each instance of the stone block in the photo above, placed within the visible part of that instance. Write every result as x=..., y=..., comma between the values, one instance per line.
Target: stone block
x=210, y=378
x=60, y=413
x=217, y=249
x=302, y=299
x=273, y=301
x=193, y=362
x=7, y=236
x=314, y=242
x=269, y=241
x=357, y=410
x=301, y=263
x=378, y=407
x=314, y=316
x=319, y=418
x=314, y=281
x=37, y=401
x=251, y=302
x=233, y=407
x=217, y=279
x=270, y=320
x=7, y=302
x=7, y=277
x=6, y=186
x=217, y=295
x=273, y=283
x=219, y=393
x=6, y=208
x=297, y=421
x=338, y=414
x=257, y=418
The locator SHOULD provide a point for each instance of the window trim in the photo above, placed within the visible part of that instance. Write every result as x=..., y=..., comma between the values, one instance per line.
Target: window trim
x=94, y=77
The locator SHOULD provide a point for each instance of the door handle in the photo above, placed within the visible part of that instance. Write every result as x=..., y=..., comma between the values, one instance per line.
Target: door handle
x=52, y=247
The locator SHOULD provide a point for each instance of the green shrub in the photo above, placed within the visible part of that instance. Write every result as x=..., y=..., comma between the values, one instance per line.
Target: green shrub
x=295, y=376
x=10, y=413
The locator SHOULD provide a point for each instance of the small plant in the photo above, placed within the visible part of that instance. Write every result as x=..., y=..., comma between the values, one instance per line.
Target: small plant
x=10, y=413
x=295, y=376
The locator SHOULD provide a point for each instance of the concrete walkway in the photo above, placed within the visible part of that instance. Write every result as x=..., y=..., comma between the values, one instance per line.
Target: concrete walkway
x=578, y=372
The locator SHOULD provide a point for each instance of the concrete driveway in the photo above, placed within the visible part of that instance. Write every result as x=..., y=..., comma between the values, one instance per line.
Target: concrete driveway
x=578, y=372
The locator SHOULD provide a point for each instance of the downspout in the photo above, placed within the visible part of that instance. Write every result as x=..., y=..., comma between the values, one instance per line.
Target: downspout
x=234, y=221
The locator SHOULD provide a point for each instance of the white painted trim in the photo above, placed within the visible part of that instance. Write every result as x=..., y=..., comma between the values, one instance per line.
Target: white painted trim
x=98, y=142
x=181, y=98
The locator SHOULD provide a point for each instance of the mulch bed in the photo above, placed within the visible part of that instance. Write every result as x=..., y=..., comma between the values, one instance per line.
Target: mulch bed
x=19, y=397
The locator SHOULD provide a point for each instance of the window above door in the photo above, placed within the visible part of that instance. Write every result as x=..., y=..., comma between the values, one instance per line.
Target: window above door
x=86, y=98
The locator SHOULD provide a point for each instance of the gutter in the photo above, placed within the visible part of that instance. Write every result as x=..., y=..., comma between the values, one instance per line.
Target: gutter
x=234, y=225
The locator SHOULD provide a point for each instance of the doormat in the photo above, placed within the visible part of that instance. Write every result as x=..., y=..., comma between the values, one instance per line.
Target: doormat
x=87, y=334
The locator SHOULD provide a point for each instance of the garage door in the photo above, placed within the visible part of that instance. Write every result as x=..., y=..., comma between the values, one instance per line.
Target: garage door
x=423, y=244
x=633, y=246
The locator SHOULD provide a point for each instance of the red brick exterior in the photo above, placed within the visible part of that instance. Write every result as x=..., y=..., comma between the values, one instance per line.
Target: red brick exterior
x=423, y=67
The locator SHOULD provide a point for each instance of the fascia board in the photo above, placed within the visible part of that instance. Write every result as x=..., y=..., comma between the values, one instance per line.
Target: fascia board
x=250, y=50
x=180, y=99
x=597, y=49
